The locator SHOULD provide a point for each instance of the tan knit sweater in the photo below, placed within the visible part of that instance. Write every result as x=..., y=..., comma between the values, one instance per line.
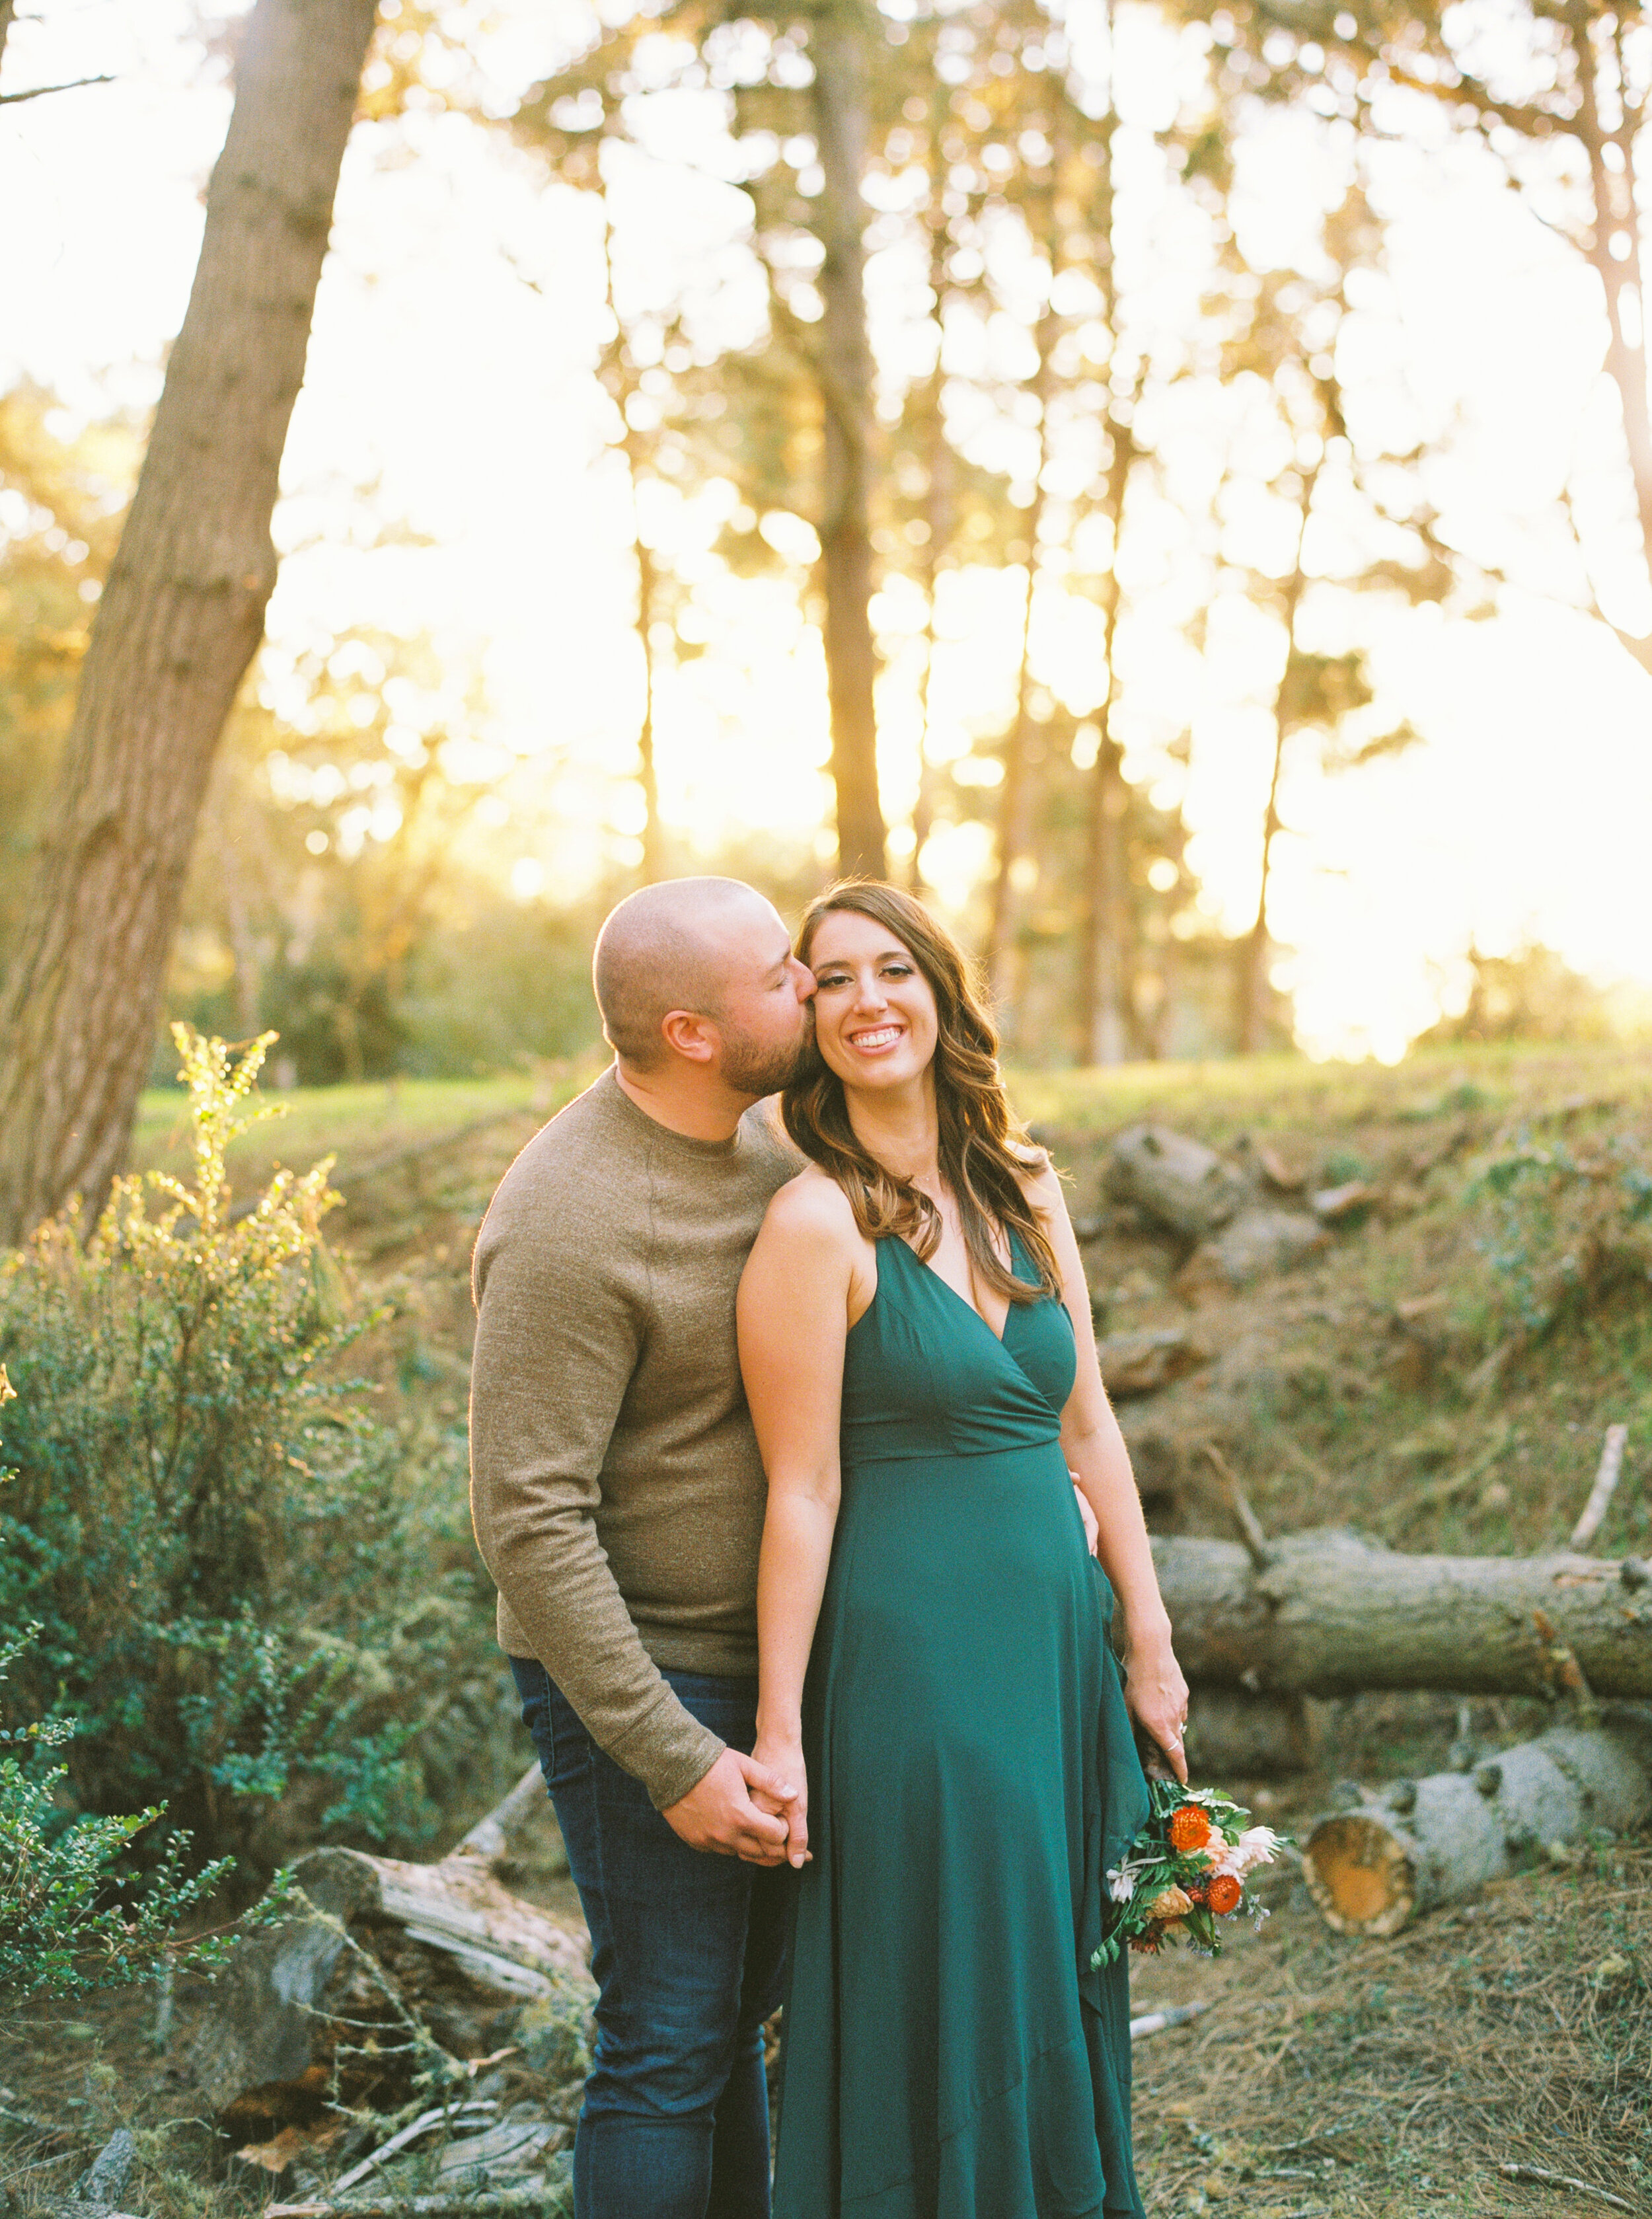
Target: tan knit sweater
x=615, y=1483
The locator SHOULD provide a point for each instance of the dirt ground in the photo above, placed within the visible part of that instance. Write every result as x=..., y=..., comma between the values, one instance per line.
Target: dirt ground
x=1358, y=2078
x=1354, y=2081
x=1349, y=2079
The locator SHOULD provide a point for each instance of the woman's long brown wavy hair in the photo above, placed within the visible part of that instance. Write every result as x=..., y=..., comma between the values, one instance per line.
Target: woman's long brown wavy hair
x=983, y=1152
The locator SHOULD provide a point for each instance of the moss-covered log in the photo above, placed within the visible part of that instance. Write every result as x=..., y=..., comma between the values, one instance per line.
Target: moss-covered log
x=1331, y=1614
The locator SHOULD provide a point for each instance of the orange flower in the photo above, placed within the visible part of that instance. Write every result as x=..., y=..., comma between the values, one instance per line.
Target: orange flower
x=1223, y=1894
x=1189, y=1828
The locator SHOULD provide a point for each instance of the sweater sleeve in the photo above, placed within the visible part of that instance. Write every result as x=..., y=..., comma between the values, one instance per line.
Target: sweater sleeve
x=557, y=1340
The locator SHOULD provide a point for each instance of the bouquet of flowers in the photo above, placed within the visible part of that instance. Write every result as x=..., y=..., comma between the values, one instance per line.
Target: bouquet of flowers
x=1186, y=1869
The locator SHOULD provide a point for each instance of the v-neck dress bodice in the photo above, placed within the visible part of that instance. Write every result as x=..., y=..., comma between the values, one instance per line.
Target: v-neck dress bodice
x=950, y=2053
x=924, y=1373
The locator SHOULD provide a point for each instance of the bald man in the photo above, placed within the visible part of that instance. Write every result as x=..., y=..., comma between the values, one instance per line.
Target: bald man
x=617, y=1497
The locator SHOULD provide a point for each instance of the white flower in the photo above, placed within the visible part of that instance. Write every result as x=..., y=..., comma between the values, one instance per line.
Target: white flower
x=1120, y=1885
x=1255, y=1846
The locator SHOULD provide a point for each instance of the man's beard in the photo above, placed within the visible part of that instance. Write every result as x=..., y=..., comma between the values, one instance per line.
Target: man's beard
x=759, y=1070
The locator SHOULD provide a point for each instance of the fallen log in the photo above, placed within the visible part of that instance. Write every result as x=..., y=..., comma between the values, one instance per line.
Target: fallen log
x=1234, y=1735
x=490, y=1837
x=381, y=1964
x=1332, y=1614
x=1422, y=1843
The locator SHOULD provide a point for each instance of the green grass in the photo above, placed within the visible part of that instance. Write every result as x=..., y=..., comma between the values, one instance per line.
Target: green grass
x=1268, y=1090
x=354, y=1123
x=358, y=1123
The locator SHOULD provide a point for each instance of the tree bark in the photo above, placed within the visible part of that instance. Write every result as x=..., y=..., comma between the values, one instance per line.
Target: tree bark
x=1332, y=1614
x=837, y=42
x=1626, y=356
x=633, y=446
x=938, y=507
x=1252, y=997
x=1104, y=931
x=647, y=580
x=1014, y=795
x=1423, y=1843
x=181, y=617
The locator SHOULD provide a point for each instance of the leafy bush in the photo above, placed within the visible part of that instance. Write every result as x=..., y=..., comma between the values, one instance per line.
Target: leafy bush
x=232, y=1584
x=1561, y=1228
x=68, y=1922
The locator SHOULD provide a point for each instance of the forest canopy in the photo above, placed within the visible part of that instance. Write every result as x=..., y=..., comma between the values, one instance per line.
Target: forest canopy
x=916, y=438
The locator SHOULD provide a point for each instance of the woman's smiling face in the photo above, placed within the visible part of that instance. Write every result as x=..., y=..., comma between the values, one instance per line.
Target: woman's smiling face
x=875, y=1023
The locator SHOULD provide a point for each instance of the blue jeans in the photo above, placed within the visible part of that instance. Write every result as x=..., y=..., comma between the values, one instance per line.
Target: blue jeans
x=686, y=1950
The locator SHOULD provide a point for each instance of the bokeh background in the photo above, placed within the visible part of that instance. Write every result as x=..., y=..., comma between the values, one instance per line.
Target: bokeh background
x=1241, y=424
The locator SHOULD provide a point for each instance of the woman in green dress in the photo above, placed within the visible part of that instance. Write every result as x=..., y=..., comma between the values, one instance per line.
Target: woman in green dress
x=936, y=1672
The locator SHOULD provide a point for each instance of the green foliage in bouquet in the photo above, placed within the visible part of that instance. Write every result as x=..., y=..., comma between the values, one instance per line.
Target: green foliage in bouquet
x=232, y=1581
x=1186, y=1871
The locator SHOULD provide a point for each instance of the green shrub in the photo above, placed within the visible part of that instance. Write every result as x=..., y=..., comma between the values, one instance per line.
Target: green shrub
x=1559, y=1228
x=231, y=1577
x=68, y=1922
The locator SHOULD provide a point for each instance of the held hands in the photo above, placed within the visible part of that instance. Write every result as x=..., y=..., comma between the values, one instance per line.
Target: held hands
x=785, y=1758
x=736, y=1811
x=1157, y=1698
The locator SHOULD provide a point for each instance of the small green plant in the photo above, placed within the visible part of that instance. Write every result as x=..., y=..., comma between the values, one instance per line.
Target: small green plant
x=1561, y=1227
x=214, y=1538
x=69, y=1920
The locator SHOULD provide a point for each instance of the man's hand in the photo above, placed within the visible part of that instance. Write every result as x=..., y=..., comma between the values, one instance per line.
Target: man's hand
x=718, y=1815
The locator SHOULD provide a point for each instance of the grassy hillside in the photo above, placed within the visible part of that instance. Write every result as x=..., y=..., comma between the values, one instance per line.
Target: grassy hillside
x=1440, y=1374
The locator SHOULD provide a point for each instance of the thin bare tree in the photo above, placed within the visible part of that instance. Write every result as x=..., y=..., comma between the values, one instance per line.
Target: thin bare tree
x=837, y=40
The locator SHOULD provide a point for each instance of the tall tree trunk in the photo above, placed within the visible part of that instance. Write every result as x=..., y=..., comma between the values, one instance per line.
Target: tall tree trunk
x=1102, y=971
x=938, y=514
x=1615, y=215
x=1251, y=998
x=1103, y=984
x=837, y=51
x=179, y=621
x=8, y=9
x=1015, y=798
x=633, y=445
x=647, y=774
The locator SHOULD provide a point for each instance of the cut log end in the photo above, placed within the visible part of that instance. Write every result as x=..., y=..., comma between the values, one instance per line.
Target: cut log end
x=1360, y=1874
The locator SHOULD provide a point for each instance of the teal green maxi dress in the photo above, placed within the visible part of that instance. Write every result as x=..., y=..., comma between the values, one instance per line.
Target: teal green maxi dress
x=949, y=2052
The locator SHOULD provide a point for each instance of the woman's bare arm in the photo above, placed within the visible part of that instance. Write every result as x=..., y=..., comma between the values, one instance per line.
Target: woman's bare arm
x=800, y=1282
x=1096, y=1454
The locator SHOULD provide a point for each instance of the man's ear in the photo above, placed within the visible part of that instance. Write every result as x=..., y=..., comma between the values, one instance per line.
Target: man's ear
x=690, y=1035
